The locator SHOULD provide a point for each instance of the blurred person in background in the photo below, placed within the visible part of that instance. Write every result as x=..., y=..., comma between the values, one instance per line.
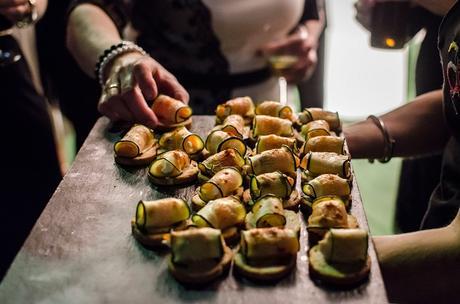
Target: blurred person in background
x=204, y=44
x=30, y=161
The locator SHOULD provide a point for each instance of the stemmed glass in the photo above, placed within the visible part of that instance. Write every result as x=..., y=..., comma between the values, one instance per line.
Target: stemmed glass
x=9, y=52
x=278, y=65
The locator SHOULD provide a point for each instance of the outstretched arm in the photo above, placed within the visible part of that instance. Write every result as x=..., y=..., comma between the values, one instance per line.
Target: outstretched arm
x=421, y=265
x=418, y=128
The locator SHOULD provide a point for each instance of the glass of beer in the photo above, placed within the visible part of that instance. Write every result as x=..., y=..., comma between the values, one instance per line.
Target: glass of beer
x=389, y=27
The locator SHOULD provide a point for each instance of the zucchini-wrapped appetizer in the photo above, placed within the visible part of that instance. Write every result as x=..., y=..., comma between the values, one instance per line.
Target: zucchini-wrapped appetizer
x=218, y=161
x=267, y=254
x=243, y=106
x=198, y=256
x=315, y=128
x=234, y=125
x=317, y=163
x=182, y=139
x=173, y=168
x=171, y=112
x=265, y=125
x=282, y=160
x=155, y=219
x=268, y=211
x=341, y=258
x=272, y=141
x=311, y=114
x=325, y=185
x=324, y=144
x=138, y=147
x=328, y=212
x=226, y=214
x=226, y=182
x=218, y=141
x=275, y=109
x=274, y=183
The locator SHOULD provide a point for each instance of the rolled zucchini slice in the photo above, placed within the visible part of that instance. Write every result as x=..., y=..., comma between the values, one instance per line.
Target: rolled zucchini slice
x=275, y=183
x=268, y=211
x=327, y=184
x=222, y=184
x=275, y=109
x=265, y=125
x=170, y=164
x=151, y=215
x=315, y=128
x=137, y=140
x=221, y=213
x=311, y=114
x=219, y=140
x=328, y=212
x=282, y=160
x=243, y=106
x=196, y=245
x=182, y=139
x=233, y=125
x=269, y=142
x=170, y=111
x=345, y=245
x=268, y=243
x=218, y=161
x=325, y=144
x=319, y=163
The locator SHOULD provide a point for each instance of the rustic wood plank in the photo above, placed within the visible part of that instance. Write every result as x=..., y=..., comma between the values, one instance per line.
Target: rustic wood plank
x=81, y=249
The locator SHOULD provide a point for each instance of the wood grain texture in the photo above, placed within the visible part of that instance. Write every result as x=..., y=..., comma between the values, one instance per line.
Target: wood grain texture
x=81, y=249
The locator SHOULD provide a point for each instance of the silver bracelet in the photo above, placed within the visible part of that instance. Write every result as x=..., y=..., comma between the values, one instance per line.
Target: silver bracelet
x=111, y=53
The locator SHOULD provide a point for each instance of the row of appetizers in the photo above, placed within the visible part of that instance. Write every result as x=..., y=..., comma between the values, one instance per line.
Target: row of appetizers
x=248, y=176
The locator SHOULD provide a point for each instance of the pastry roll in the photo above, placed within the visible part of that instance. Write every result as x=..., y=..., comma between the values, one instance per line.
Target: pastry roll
x=268, y=211
x=243, y=106
x=170, y=164
x=182, y=139
x=265, y=125
x=151, y=215
x=269, y=142
x=325, y=144
x=218, y=161
x=275, y=183
x=275, y=109
x=219, y=140
x=311, y=114
x=327, y=184
x=221, y=213
x=170, y=111
x=194, y=245
x=328, y=213
x=136, y=141
x=315, y=128
x=318, y=163
x=222, y=184
x=282, y=160
x=269, y=243
x=233, y=125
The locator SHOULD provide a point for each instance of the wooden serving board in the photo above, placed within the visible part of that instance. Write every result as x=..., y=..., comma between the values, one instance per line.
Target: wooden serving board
x=81, y=249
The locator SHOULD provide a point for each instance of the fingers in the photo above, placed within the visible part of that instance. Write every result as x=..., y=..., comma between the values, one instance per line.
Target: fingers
x=135, y=102
x=143, y=75
x=168, y=84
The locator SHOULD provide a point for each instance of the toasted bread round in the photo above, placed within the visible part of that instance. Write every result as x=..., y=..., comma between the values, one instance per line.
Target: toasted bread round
x=187, y=176
x=142, y=160
x=163, y=128
x=201, y=273
x=338, y=275
x=150, y=241
x=263, y=273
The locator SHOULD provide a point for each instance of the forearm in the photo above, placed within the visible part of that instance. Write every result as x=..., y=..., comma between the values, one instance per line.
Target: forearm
x=436, y=6
x=421, y=265
x=417, y=127
x=89, y=32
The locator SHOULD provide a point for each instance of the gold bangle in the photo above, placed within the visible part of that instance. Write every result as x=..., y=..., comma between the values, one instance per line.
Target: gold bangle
x=388, y=141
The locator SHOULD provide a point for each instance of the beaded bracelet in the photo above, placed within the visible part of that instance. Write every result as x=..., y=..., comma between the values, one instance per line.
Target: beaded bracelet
x=111, y=53
x=388, y=141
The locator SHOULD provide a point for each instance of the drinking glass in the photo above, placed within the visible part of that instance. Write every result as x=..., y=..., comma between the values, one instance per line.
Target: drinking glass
x=278, y=65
